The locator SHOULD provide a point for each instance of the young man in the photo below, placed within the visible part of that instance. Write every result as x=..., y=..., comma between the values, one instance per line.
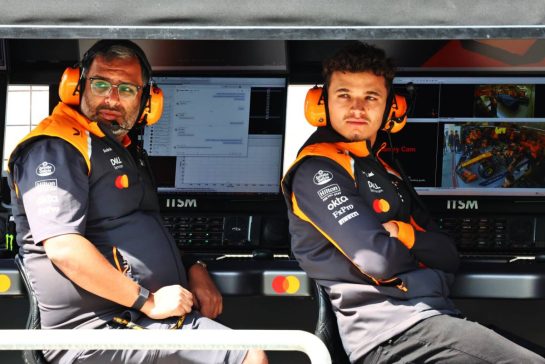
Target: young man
x=88, y=221
x=357, y=230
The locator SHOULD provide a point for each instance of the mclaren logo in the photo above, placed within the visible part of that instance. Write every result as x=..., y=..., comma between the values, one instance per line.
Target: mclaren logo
x=179, y=202
x=462, y=205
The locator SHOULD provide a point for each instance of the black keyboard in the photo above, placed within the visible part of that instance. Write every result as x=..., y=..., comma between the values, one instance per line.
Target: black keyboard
x=196, y=231
x=498, y=235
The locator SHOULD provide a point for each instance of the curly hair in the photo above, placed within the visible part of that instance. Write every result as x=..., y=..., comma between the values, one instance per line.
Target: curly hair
x=360, y=57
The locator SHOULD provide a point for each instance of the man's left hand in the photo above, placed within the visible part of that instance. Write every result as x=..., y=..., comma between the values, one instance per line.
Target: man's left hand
x=207, y=297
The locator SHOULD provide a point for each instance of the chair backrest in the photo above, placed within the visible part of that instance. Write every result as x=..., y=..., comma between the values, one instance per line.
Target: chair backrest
x=327, y=329
x=33, y=321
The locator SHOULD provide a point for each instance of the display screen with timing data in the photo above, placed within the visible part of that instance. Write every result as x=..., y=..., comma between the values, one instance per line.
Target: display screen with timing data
x=219, y=135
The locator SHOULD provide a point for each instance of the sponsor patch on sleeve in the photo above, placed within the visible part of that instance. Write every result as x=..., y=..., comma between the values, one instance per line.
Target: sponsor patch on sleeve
x=329, y=191
x=322, y=177
x=348, y=217
x=45, y=169
x=47, y=201
x=46, y=185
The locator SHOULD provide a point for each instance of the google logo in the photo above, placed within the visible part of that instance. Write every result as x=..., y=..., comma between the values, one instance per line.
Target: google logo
x=286, y=284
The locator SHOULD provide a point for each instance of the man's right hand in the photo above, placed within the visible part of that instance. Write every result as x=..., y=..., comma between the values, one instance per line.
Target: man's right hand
x=168, y=301
x=392, y=228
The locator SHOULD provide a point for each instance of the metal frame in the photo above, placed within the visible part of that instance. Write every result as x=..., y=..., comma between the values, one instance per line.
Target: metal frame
x=275, y=340
x=281, y=19
x=272, y=32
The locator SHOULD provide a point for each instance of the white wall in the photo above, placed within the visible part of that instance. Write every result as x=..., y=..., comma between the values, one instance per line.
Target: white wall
x=26, y=106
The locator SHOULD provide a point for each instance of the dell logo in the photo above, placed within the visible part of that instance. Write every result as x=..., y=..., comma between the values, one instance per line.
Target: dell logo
x=178, y=202
x=115, y=161
x=462, y=205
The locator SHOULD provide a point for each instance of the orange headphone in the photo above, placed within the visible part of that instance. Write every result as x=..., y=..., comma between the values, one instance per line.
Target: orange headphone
x=394, y=120
x=73, y=80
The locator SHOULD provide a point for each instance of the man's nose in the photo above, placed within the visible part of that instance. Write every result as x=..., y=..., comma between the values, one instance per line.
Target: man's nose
x=113, y=96
x=358, y=104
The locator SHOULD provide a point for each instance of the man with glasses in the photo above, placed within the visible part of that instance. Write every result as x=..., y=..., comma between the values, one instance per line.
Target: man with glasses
x=88, y=221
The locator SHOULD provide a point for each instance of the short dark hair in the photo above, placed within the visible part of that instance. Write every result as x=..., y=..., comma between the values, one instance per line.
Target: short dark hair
x=360, y=57
x=118, y=49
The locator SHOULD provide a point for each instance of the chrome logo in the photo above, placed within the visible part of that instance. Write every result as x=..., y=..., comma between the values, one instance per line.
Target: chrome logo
x=286, y=284
x=122, y=182
x=381, y=205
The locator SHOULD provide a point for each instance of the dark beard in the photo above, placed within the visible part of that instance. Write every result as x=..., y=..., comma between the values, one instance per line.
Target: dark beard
x=115, y=128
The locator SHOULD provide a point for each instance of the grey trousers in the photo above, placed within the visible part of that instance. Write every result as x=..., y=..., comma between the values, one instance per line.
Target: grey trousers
x=193, y=321
x=447, y=339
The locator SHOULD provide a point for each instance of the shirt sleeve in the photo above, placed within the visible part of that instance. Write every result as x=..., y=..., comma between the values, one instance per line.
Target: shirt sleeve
x=53, y=184
x=326, y=194
x=432, y=247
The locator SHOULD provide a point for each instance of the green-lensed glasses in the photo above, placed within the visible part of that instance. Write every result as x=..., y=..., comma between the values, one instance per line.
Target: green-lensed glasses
x=103, y=88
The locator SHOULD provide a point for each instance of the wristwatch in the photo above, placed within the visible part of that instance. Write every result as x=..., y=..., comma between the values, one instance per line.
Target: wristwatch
x=201, y=263
x=143, y=295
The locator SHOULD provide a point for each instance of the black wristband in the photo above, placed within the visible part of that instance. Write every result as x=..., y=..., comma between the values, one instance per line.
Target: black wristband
x=143, y=295
x=188, y=260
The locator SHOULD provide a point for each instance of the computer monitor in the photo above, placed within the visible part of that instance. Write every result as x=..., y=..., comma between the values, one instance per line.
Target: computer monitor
x=477, y=138
x=219, y=141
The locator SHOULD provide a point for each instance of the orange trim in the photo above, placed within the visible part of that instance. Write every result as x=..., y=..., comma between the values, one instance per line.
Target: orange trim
x=359, y=149
x=405, y=233
x=384, y=164
x=330, y=151
x=117, y=265
x=67, y=124
x=297, y=211
x=335, y=151
x=416, y=226
x=126, y=141
x=339, y=153
x=402, y=287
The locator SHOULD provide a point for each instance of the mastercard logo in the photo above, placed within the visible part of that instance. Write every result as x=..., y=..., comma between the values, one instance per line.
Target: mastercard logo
x=5, y=283
x=381, y=205
x=122, y=182
x=286, y=284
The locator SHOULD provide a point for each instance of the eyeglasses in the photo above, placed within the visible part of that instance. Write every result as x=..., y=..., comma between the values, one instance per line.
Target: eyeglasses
x=103, y=88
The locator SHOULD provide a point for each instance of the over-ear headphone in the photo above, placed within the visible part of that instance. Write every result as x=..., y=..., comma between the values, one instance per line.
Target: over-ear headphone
x=394, y=119
x=73, y=81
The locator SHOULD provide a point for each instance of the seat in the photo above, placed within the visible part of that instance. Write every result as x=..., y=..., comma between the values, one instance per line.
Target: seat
x=327, y=329
x=33, y=321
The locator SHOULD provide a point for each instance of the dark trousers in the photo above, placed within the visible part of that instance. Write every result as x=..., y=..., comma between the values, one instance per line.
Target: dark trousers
x=447, y=339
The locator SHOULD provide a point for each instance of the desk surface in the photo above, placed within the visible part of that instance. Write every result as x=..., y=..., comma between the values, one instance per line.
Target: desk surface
x=246, y=277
